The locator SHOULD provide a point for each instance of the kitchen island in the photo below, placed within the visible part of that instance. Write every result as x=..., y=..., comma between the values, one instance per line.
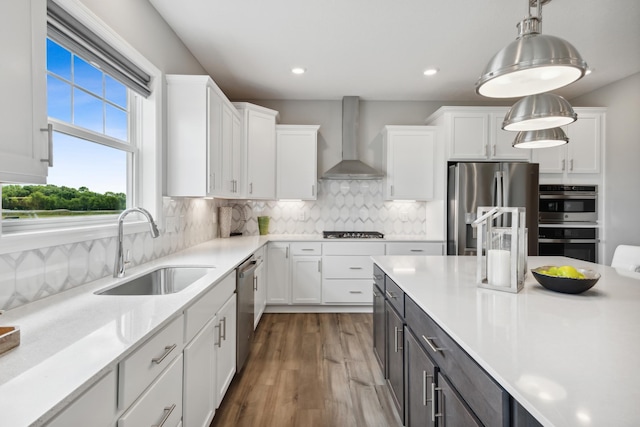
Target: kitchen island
x=569, y=360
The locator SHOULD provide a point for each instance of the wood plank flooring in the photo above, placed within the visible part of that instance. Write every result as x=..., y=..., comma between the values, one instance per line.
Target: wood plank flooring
x=310, y=370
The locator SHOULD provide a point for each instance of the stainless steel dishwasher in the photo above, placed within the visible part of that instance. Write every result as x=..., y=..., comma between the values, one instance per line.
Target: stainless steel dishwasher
x=245, y=287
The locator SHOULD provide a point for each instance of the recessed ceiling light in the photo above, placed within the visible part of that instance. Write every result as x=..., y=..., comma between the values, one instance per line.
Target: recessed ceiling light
x=298, y=70
x=431, y=71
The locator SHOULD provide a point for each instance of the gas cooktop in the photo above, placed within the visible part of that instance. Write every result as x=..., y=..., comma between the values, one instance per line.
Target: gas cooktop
x=352, y=235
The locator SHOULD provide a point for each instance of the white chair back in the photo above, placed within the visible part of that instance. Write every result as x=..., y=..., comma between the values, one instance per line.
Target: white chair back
x=626, y=257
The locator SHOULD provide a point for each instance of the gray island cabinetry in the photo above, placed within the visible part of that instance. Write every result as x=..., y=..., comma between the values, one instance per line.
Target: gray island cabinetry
x=433, y=381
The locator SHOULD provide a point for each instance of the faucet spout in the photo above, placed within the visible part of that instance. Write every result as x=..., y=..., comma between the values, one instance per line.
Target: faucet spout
x=120, y=264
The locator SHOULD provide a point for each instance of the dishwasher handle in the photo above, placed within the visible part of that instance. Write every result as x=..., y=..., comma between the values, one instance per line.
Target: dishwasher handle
x=247, y=268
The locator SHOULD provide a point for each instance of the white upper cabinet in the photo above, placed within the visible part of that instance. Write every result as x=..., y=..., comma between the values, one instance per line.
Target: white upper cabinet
x=297, y=160
x=475, y=133
x=24, y=148
x=409, y=161
x=202, y=126
x=582, y=154
x=258, y=142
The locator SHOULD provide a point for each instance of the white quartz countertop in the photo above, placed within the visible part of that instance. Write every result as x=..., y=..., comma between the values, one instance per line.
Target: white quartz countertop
x=71, y=339
x=570, y=360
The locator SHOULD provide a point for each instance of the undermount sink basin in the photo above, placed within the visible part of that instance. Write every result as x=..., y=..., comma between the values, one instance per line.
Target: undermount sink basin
x=166, y=280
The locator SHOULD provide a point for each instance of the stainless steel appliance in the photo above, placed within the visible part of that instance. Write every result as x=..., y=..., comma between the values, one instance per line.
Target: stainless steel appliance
x=573, y=242
x=568, y=203
x=245, y=283
x=352, y=235
x=471, y=185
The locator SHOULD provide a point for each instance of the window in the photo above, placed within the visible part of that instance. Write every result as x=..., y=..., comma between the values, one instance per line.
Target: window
x=105, y=114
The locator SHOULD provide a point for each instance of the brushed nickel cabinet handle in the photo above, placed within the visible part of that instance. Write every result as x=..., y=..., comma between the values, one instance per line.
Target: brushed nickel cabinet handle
x=433, y=402
x=355, y=292
x=224, y=329
x=355, y=268
x=251, y=188
x=49, y=130
x=563, y=164
x=168, y=349
x=219, y=343
x=167, y=414
x=439, y=414
x=571, y=165
x=391, y=295
x=430, y=344
x=417, y=250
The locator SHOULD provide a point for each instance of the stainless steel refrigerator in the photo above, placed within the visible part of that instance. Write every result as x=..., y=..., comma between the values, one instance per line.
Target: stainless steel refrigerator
x=471, y=185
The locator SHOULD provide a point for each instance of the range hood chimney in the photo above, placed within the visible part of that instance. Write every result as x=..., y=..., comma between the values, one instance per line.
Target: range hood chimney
x=350, y=167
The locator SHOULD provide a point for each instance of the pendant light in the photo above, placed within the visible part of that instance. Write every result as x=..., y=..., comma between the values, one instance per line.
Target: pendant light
x=533, y=63
x=543, y=138
x=541, y=111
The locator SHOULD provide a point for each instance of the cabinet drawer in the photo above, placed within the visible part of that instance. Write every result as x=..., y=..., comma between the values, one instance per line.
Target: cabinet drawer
x=140, y=369
x=485, y=397
x=162, y=399
x=414, y=248
x=311, y=248
x=340, y=291
x=347, y=267
x=198, y=314
x=353, y=248
x=394, y=295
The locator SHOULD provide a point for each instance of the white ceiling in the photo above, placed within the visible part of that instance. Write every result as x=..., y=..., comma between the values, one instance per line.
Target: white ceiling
x=378, y=49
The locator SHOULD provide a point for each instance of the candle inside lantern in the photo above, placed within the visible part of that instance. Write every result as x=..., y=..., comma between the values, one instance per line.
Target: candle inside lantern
x=499, y=267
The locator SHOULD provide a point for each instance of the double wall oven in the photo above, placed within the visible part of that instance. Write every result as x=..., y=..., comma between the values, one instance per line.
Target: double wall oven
x=568, y=216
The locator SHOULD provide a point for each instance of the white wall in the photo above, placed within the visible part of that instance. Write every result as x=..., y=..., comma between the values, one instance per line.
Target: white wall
x=622, y=159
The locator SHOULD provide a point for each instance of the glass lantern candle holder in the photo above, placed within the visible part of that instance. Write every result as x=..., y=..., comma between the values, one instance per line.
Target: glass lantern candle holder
x=502, y=248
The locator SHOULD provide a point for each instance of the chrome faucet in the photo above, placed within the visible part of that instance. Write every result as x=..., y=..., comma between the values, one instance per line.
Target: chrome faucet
x=119, y=267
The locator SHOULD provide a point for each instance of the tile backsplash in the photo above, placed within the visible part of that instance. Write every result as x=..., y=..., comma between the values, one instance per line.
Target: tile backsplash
x=355, y=205
x=30, y=275
x=34, y=274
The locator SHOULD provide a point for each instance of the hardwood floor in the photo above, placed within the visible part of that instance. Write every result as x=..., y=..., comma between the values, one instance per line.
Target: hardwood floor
x=310, y=370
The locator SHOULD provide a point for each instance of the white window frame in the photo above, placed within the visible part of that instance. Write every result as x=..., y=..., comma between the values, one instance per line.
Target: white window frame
x=146, y=168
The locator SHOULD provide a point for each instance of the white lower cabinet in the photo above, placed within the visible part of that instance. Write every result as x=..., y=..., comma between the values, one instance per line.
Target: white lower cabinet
x=278, y=273
x=209, y=358
x=306, y=284
x=161, y=403
x=226, y=347
x=95, y=407
x=259, y=286
x=199, y=388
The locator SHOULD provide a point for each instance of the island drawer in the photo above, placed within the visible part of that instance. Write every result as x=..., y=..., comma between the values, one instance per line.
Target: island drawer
x=394, y=295
x=485, y=397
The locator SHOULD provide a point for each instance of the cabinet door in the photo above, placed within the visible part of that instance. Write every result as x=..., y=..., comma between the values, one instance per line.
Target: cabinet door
x=237, y=153
x=551, y=160
x=297, y=163
x=226, y=347
x=583, y=150
x=306, y=283
x=379, y=328
x=260, y=293
x=278, y=273
x=410, y=164
x=214, y=137
x=395, y=357
x=419, y=380
x=469, y=136
x=502, y=140
x=226, y=129
x=261, y=155
x=451, y=409
x=199, y=390
x=23, y=104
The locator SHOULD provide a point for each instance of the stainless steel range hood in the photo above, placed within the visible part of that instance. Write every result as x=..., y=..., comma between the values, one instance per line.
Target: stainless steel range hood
x=351, y=167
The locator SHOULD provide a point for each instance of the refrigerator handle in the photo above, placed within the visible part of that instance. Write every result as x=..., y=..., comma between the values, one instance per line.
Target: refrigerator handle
x=499, y=189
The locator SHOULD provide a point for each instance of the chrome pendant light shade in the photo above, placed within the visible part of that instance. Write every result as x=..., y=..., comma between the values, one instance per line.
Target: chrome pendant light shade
x=541, y=111
x=533, y=63
x=540, y=138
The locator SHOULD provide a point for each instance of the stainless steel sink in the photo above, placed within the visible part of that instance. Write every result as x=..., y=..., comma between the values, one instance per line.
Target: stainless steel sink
x=166, y=280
